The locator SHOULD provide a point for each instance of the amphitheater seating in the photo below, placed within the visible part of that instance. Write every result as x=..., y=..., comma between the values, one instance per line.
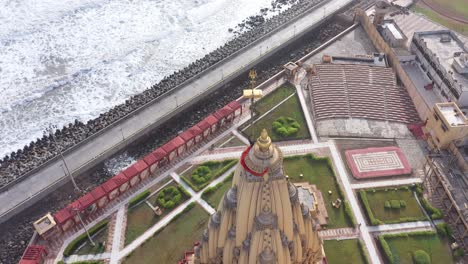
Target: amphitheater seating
x=359, y=91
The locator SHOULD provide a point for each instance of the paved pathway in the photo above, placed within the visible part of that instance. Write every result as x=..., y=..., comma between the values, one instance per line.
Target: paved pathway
x=118, y=238
x=377, y=184
x=339, y=233
x=412, y=226
x=79, y=258
x=364, y=229
x=240, y=136
x=305, y=109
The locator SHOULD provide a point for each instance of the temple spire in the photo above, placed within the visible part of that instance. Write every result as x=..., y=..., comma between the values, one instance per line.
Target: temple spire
x=264, y=141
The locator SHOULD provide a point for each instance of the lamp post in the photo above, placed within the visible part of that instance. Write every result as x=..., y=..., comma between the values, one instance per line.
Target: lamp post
x=50, y=130
x=84, y=226
x=252, y=94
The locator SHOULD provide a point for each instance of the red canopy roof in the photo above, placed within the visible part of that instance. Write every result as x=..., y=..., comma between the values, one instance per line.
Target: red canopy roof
x=159, y=154
x=211, y=119
x=223, y=112
x=98, y=192
x=33, y=254
x=120, y=179
x=62, y=216
x=173, y=144
x=109, y=185
x=132, y=171
x=203, y=125
x=191, y=133
x=234, y=105
x=86, y=200
x=150, y=159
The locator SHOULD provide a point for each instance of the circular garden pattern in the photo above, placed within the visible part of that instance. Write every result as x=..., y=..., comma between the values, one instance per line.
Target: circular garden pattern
x=286, y=126
x=201, y=174
x=169, y=197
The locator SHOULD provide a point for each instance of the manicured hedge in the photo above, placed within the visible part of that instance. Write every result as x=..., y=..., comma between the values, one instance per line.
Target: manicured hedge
x=444, y=230
x=169, y=197
x=81, y=239
x=421, y=257
x=285, y=126
x=363, y=250
x=137, y=199
x=349, y=213
x=201, y=175
x=370, y=214
x=197, y=187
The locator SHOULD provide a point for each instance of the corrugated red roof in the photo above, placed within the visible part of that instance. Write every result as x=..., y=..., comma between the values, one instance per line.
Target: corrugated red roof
x=223, y=112
x=33, y=254
x=109, y=185
x=141, y=166
x=234, y=105
x=192, y=133
x=62, y=216
x=130, y=172
x=75, y=206
x=212, y=120
x=150, y=159
x=98, y=192
x=203, y=125
x=159, y=154
x=120, y=179
x=173, y=144
x=86, y=200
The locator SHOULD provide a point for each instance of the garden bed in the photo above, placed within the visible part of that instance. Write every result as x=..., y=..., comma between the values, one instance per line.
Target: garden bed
x=318, y=171
x=169, y=244
x=345, y=251
x=81, y=244
x=401, y=248
x=391, y=205
x=199, y=176
x=214, y=194
x=141, y=217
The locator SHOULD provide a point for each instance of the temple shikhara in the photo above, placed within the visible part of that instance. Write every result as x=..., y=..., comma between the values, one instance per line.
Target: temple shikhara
x=261, y=218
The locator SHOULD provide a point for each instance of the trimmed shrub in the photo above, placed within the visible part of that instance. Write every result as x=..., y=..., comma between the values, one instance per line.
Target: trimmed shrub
x=285, y=126
x=458, y=253
x=386, y=249
x=370, y=215
x=137, y=199
x=75, y=244
x=201, y=174
x=421, y=257
x=169, y=197
x=349, y=213
x=387, y=205
x=402, y=203
x=395, y=204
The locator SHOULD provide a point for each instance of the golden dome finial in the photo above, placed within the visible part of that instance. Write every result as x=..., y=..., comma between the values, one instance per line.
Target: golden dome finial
x=264, y=141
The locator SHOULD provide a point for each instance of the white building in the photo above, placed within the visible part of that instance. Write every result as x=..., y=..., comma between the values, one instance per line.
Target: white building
x=443, y=57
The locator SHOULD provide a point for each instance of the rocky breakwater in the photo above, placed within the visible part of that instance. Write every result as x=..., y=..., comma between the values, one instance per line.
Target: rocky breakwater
x=20, y=162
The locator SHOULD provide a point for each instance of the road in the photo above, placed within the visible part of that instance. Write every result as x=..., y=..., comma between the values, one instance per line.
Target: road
x=36, y=186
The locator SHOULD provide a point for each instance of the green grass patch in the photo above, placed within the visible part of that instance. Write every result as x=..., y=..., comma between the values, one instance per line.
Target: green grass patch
x=140, y=197
x=272, y=99
x=391, y=205
x=217, y=168
x=344, y=251
x=290, y=108
x=401, y=248
x=74, y=246
x=169, y=244
x=141, y=217
x=434, y=16
x=214, y=194
x=319, y=171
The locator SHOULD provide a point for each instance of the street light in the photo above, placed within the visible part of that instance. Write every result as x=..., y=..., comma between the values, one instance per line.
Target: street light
x=84, y=226
x=50, y=130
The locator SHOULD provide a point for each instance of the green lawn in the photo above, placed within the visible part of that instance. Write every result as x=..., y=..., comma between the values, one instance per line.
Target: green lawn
x=458, y=6
x=344, y=251
x=217, y=169
x=213, y=198
x=272, y=99
x=141, y=217
x=434, y=16
x=402, y=247
x=169, y=245
x=319, y=173
x=376, y=199
x=290, y=108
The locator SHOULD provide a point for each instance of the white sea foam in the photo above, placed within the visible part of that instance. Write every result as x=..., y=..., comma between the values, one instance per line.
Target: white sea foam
x=74, y=59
